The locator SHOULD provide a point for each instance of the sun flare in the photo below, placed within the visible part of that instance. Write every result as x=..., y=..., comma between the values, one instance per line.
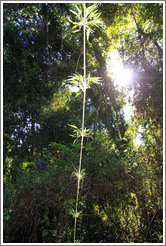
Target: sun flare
x=120, y=75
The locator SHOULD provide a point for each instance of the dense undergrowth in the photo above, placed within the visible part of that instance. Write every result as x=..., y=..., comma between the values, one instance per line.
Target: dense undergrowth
x=119, y=202
x=115, y=191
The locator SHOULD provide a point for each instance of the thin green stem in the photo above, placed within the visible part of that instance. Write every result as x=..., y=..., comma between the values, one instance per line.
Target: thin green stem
x=75, y=218
x=82, y=137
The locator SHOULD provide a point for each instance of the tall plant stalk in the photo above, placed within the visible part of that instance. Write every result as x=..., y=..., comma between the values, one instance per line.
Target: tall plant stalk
x=82, y=131
x=89, y=19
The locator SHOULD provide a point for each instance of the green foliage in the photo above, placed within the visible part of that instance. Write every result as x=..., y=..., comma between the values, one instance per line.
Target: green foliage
x=121, y=182
x=111, y=179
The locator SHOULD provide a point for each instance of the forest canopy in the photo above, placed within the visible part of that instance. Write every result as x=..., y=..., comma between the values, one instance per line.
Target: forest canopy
x=82, y=83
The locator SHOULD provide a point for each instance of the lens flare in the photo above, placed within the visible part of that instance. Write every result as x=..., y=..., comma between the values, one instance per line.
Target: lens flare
x=120, y=75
